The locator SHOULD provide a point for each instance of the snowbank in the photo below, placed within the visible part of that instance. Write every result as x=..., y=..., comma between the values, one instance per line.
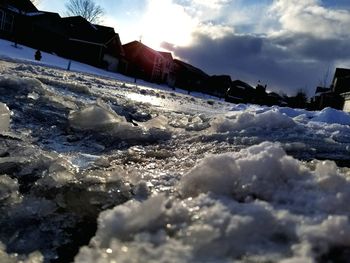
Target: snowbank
x=255, y=205
x=271, y=119
x=260, y=171
x=332, y=116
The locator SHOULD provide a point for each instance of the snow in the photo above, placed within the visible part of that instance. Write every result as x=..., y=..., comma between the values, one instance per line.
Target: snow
x=98, y=169
x=243, y=120
x=5, y=115
x=248, y=205
x=329, y=115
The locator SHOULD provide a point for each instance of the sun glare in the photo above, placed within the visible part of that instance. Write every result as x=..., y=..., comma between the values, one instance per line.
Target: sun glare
x=166, y=21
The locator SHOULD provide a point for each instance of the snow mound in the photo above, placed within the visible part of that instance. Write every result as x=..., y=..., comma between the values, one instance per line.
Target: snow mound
x=272, y=119
x=256, y=205
x=5, y=114
x=332, y=116
x=258, y=171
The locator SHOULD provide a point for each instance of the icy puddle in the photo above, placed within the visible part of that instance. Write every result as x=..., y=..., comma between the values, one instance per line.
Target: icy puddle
x=95, y=170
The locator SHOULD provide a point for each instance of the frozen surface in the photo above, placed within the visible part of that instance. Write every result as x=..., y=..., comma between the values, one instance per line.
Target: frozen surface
x=98, y=169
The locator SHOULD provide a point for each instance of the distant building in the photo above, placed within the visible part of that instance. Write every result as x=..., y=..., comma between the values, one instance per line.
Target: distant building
x=218, y=85
x=71, y=37
x=15, y=19
x=189, y=77
x=240, y=92
x=144, y=62
x=92, y=44
x=341, y=81
x=337, y=95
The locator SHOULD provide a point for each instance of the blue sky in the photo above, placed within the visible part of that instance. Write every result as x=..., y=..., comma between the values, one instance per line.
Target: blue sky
x=287, y=44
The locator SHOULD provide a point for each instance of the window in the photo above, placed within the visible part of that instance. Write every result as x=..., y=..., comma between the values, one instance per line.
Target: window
x=8, y=22
x=1, y=19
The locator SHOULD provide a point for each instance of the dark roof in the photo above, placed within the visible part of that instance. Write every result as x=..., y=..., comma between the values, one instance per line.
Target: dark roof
x=274, y=95
x=79, y=28
x=45, y=14
x=134, y=48
x=322, y=89
x=22, y=5
x=340, y=73
x=224, y=78
x=242, y=84
x=191, y=68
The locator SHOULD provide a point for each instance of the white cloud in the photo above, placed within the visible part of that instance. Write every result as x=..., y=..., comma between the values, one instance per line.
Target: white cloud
x=309, y=17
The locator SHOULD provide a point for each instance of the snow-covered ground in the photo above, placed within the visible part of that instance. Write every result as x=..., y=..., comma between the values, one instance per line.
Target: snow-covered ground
x=96, y=169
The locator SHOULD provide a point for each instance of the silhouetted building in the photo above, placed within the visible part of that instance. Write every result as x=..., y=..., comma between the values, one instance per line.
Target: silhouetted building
x=240, y=92
x=189, y=77
x=337, y=95
x=71, y=37
x=92, y=44
x=341, y=81
x=218, y=85
x=274, y=98
x=47, y=33
x=15, y=19
x=143, y=62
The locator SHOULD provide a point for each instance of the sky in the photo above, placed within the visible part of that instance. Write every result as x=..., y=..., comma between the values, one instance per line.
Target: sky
x=287, y=44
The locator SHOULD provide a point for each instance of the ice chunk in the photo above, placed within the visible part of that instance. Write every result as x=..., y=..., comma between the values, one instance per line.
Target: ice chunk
x=14, y=84
x=5, y=115
x=98, y=116
x=8, y=188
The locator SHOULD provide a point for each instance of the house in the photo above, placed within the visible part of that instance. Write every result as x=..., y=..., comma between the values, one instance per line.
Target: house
x=15, y=19
x=143, y=62
x=168, y=71
x=336, y=96
x=92, y=44
x=71, y=37
x=240, y=92
x=189, y=77
x=218, y=85
x=46, y=33
x=341, y=81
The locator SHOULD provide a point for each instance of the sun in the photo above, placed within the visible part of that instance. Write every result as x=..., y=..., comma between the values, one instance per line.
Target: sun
x=165, y=21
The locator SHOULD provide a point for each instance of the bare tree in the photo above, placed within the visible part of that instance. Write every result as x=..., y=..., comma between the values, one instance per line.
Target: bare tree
x=88, y=9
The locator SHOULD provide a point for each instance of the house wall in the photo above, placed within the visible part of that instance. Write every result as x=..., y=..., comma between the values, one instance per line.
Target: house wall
x=346, y=107
x=6, y=21
x=144, y=62
x=85, y=52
